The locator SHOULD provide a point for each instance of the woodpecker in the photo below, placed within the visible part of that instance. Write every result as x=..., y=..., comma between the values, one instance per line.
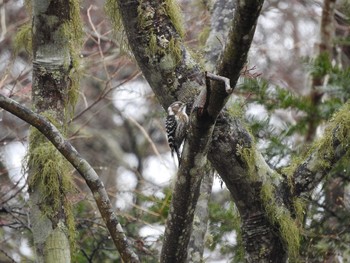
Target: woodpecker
x=176, y=126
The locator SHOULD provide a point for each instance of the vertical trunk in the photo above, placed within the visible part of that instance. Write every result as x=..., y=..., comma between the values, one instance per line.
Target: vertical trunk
x=51, y=89
x=200, y=220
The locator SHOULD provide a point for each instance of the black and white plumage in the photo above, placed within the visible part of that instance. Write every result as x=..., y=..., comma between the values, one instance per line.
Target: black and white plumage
x=176, y=126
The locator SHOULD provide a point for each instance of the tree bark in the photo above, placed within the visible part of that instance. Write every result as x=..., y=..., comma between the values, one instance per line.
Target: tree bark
x=183, y=82
x=262, y=195
x=200, y=220
x=50, y=88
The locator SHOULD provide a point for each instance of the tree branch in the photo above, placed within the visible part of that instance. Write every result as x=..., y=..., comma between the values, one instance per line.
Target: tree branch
x=189, y=178
x=220, y=22
x=85, y=170
x=183, y=80
x=200, y=220
x=234, y=57
x=324, y=155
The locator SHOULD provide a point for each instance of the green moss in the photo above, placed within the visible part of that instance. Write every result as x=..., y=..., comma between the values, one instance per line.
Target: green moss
x=167, y=65
x=23, y=39
x=237, y=108
x=113, y=12
x=47, y=168
x=174, y=12
x=72, y=30
x=76, y=41
x=341, y=123
x=50, y=175
x=153, y=44
x=175, y=49
x=145, y=16
x=289, y=170
x=198, y=57
x=71, y=227
x=299, y=208
x=338, y=129
x=75, y=23
x=170, y=52
x=280, y=216
x=248, y=155
x=290, y=234
x=267, y=192
x=169, y=8
x=203, y=35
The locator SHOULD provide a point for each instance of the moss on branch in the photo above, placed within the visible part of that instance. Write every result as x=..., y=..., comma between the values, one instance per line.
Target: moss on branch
x=279, y=216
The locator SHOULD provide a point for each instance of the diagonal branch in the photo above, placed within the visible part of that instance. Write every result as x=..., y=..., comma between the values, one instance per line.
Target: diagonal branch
x=83, y=167
x=174, y=75
x=324, y=155
x=234, y=57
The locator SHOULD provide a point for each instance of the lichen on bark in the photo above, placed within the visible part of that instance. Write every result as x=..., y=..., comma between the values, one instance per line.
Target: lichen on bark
x=280, y=216
x=51, y=176
x=56, y=40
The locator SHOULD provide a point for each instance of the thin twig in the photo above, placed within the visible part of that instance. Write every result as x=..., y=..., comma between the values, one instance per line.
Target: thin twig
x=98, y=40
x=104, y=93
x=144, y=132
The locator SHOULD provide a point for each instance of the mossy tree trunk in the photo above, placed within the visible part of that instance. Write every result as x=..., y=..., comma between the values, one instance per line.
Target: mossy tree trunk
x=174, y=75
x=269, y=202
x=54, y=30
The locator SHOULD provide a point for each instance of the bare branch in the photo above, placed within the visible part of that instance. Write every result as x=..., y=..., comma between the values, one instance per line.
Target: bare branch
x=236, y=50
x=104, y=93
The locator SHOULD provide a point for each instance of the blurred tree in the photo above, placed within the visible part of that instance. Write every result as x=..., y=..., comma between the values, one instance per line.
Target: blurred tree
x=291, y=111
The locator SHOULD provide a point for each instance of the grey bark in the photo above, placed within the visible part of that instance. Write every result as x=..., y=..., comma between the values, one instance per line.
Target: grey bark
x=224, y=153
x=50, y=87
x=200, y=220
x=222, y=14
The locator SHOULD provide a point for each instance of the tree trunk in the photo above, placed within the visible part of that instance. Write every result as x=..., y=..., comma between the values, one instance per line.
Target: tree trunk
x=54, y=24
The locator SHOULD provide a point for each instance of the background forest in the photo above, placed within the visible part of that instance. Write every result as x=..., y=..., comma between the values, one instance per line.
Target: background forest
x=296, y=77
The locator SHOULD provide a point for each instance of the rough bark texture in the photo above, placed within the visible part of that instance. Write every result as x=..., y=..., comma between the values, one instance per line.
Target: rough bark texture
x=200, y=220
x=220, y=23
x=51, y=60
x=186, y=190
x=229, y=136
x=261, y=241
x=159, y=51
x=222, y=14
x=324, y=156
